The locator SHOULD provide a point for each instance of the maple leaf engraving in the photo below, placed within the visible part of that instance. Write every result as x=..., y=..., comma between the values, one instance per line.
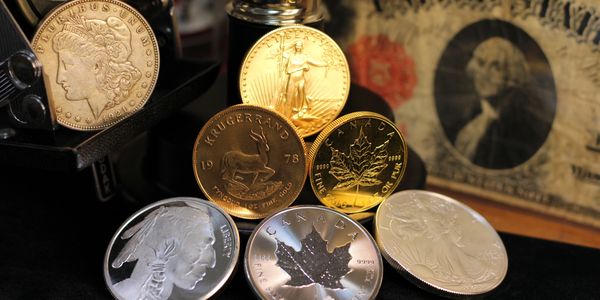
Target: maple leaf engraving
x=313, y=263
x=361, y=166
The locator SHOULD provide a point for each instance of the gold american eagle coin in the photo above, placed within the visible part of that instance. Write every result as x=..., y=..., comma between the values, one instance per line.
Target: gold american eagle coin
x=100, y=61
x=357, y=161
x=300, y=72
x=250, y=161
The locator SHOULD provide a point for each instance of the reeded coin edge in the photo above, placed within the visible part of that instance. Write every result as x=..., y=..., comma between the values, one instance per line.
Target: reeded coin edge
x=316, y=207
x=227, y=111
x=67, y=5
x=413, y=278
x=235, y=236
x=246, y=62
x=335, y=124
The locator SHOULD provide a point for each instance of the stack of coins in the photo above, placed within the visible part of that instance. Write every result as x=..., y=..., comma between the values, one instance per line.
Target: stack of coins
x=250, y=161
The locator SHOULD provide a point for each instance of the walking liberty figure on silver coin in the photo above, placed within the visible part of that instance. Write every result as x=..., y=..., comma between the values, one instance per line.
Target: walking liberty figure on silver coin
x=440, y=244
x=172, y=246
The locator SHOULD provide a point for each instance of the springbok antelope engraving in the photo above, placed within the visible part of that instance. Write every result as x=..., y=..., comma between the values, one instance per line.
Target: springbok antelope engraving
x=237, y=162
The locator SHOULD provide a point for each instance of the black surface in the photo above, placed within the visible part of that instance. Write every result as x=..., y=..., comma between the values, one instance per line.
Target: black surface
x=54, y=235
x=178, y=83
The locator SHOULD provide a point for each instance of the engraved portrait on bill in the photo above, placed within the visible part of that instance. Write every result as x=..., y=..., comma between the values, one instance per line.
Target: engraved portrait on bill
x=172, y=246
x=493, y=107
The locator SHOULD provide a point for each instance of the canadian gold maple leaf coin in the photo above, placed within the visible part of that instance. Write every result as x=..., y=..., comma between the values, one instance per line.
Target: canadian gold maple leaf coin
x=300, y=72
x=250, y=161
x=357, y=161
x=100, y=61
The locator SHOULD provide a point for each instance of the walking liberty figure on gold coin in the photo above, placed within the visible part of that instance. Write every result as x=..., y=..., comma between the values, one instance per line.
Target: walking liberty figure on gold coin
x=100, y=62
x=300, y=72
x=296, y=68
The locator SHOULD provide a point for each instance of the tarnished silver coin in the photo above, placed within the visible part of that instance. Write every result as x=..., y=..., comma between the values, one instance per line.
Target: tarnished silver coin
x=439, y=243
x=179, y=248
x=312, y=252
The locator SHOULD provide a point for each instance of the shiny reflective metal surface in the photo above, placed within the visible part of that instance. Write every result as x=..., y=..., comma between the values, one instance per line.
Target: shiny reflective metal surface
x=440, y=244
x=276, y=12
x=357, y=161
x=101, y=62
x=250, y=161
x=312, y=252
x=179, y=248
x=299, y=72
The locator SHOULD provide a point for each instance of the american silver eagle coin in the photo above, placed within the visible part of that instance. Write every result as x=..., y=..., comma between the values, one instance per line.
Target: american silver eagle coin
x=440, y=244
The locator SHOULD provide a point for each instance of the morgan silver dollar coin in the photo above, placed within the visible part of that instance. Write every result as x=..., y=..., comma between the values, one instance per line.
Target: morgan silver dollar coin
x=312, y=252
x=178, y=248
x=440, y=244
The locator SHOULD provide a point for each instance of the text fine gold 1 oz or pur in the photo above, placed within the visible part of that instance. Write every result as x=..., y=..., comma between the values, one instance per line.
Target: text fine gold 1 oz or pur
x=250, y=161
x=357, y=161
x=100, y=61
x=300, y=72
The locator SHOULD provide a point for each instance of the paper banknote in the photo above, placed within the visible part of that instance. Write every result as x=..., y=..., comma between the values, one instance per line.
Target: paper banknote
x=498, y=97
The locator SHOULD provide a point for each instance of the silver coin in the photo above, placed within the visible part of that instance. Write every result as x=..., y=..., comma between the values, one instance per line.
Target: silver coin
x=439, y=243
x=312, y=252
x=179, y=248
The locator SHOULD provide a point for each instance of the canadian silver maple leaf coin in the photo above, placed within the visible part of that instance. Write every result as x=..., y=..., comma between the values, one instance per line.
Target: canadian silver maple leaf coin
x=312, y=252
x=440, y=244
x=178, y=248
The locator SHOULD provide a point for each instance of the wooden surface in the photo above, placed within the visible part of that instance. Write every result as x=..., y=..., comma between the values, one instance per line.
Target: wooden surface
x=528, y=223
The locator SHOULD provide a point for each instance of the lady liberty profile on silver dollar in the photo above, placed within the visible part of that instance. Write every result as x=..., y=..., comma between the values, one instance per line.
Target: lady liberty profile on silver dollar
x=440, y=244
x=312, y=252
x=100, y=59
x=179, y=248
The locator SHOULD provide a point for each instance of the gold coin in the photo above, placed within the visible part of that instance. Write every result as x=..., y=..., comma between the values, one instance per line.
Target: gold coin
x=300, y=72
x=357, y=161
x=100, y=61
x=250, y=161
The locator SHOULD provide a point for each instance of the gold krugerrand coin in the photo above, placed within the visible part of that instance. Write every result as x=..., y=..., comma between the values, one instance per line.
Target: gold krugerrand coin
x=250, y=161
x=300, y=72
x=100, y=61
x=357, y=161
